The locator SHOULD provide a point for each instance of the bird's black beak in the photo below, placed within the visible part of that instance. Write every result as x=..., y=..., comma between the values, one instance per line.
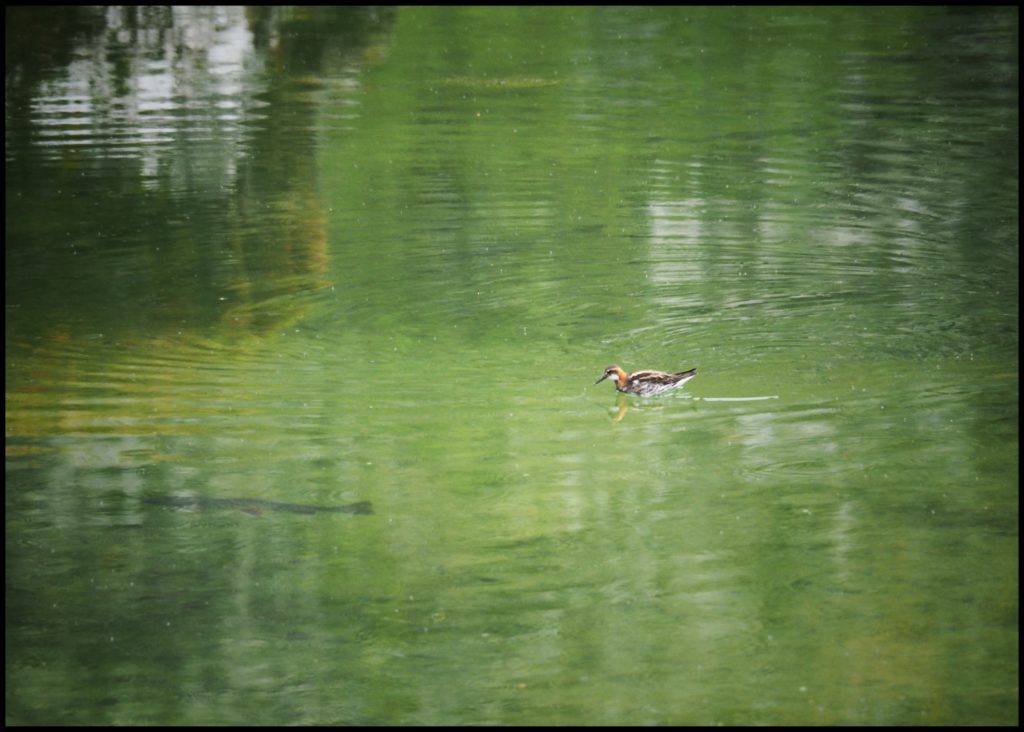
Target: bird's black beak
x=603, y=377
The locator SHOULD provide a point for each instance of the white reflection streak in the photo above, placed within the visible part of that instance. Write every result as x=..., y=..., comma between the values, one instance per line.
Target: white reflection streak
x=736, y=399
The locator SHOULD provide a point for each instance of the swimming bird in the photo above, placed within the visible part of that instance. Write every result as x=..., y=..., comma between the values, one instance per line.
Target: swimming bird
x=645, y=383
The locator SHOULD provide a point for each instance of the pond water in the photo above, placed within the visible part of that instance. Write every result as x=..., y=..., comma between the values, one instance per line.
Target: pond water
x=260, y=260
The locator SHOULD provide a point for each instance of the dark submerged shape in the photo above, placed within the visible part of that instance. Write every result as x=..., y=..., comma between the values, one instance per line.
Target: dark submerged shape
x=255, y=505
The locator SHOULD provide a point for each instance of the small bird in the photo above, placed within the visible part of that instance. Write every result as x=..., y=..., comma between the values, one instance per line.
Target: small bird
x=645, y=383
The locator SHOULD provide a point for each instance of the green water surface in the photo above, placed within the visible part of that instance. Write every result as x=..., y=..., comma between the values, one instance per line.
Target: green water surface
x=317, y=257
